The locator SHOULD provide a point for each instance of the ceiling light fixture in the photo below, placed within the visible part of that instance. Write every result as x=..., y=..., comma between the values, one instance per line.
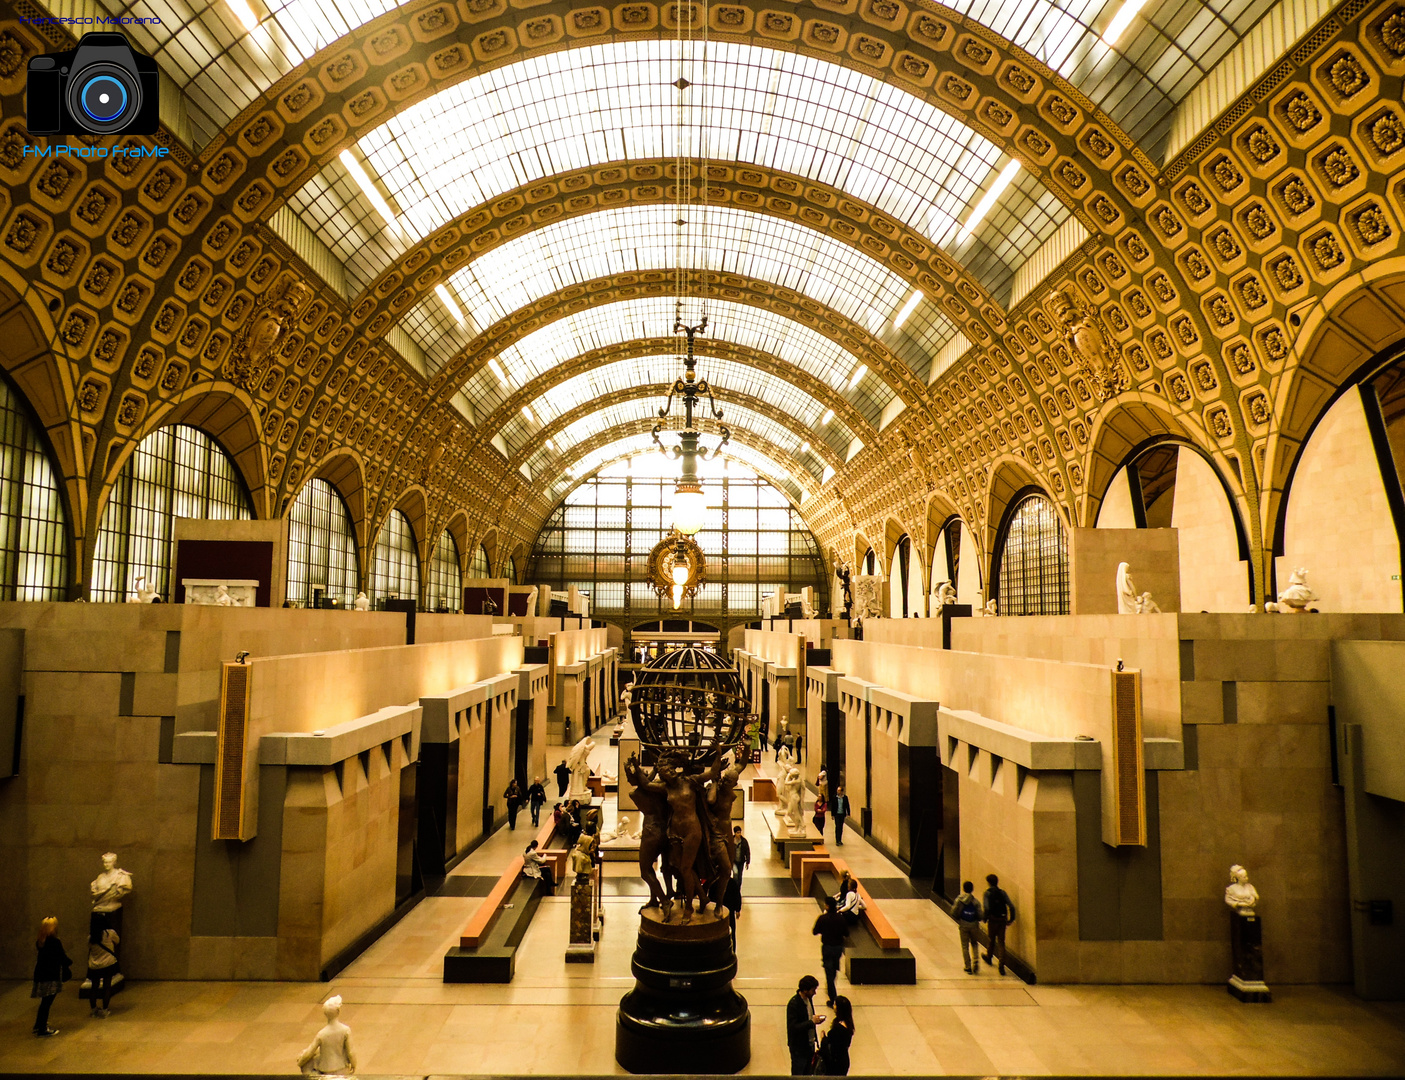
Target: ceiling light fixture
x=689, y=504
x=496, y=369
x=527, y=412
x=448, y=302
x=805, y=447
x=859, y=373
x=1121, y=21
x=363, y=181
x=827, y=417
x=988, y=200
x=907, y=309
x=246, y=14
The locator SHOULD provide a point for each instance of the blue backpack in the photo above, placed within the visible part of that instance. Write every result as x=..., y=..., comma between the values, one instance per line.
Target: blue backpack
x=970, y=911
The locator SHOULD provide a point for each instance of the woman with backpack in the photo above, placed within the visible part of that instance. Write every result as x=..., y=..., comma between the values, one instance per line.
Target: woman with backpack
x=999, y=913
x=52, y=969
x=966, y=910
x=834, y=1047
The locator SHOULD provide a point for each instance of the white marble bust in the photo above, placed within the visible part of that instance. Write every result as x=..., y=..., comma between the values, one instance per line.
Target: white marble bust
x=362, y=602
x=110, y=887
x=330, y=1053
x=1242, y=897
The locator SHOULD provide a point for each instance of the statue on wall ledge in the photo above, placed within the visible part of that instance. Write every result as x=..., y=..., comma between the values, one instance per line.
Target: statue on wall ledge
x=330, y=1053
x=362, y=602
x=868, y=599
x=942, y=595
x=845, y=576
x=579, y=764
x=142, y=593
x=1295, y=598
x=110, y=887
x=264, y=333
x=532, y=601
x=1088, y=342
x=1129, y=601
x=992, y=607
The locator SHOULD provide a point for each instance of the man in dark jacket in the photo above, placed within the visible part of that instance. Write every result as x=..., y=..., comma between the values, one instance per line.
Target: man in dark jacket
x=833, y=930
x=563, y=777
x=840, y=809
x=536, y=799
x=801, y=1024
x=743, y=859
x=999, y=913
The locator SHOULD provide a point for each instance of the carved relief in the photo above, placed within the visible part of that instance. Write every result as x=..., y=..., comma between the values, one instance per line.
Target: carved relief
x=1087, y=342
x=263, y=334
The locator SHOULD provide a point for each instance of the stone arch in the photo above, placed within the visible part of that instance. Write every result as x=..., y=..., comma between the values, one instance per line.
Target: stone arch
x=1009, y=477
x=414, y=504
x=940, y=510
x=458, y=528
x=345, y=471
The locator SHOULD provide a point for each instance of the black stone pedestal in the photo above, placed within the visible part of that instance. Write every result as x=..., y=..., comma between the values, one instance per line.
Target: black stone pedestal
x=683, y=1015
x=1246, y=938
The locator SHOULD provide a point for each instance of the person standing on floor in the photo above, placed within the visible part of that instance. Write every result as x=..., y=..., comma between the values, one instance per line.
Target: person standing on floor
x=820, y=807
x=834, y=1047
x=536, y=799
x=513, y=795
x=732, y=901
x=999, y=913
x=840, y=809
x=52, y=969
x=102, y=962
x=801, y=1036
x=742, y=860
x=833, y=931
x=966, y=910
x=563, y=777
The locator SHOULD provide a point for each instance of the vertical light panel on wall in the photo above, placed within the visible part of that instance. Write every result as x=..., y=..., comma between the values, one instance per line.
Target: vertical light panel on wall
x=228, y=815
x=1124, y=782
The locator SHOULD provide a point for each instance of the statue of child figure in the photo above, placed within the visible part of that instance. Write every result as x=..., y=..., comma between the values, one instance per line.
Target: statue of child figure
x=330, y=1053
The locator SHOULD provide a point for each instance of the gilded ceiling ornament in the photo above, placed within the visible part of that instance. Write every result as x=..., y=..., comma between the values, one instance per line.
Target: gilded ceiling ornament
x=265, y=330
x=1084, y=335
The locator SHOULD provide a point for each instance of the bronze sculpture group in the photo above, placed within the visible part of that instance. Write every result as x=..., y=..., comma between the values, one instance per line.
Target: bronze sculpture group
x=687, y=823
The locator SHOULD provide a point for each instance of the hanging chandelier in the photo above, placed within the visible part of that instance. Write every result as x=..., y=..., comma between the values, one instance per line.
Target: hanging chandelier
x=689, y=505
x=677, y=568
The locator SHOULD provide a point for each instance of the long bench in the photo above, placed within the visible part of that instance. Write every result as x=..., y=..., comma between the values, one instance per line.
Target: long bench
x=874, y=955
x=487, y=948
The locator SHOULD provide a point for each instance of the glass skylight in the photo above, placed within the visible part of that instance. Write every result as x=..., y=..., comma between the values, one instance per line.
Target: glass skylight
x=723, y=239
x=653, y=317
x=642, y=446
x=590, y=106
x=729, y=378
x=222, y=65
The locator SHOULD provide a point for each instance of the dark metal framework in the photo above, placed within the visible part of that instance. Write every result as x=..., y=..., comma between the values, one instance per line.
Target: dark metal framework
x=33, y=525
x=1032, y=559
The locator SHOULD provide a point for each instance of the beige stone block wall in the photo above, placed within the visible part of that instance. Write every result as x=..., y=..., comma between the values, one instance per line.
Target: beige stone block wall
x=782, y=649
x=855, y=774
x=473, y=781
x=918, y=633
x=273, y=532
x=430, y=627
x=1093, y=558
x=814, y=735
x=1338, y=523
x=577, y=646
x=1213, y=578
x=885, y=778
x=1116, y=509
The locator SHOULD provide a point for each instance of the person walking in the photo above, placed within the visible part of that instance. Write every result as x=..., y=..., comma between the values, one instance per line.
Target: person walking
x=966, y=910
x=801, y=1036
x=732, y=901
x=563, y=777
x=833, y=931
x=513, y=795
x=820, y=807
x=840, y=809
x=102, y=962
x=743, y=857
x=52, y=969
x=536, y=799
x=999, y=913
x=834, y=1047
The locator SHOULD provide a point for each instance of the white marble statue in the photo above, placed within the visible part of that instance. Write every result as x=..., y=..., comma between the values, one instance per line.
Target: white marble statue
x=1146, y=605
x=624, y=829
x=784, y=759
x=942, y=595
x=143, y=594
x=532, y=600
x=790, y=789
x=110, y=887
x=1239, y=894
x=1295, y=598
x=627, y=698
x=330, y=1053
x=223, y=599
x=579, y=764
x=868, y=598
x=992, y=607
x=362, y=602
x=1126, y=591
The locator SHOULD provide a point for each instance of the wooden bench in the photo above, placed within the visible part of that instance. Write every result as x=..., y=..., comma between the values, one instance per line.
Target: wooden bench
x=487, y=948
x=874, y=955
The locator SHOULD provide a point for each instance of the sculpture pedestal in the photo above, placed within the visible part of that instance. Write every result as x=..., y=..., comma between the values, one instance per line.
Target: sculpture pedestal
x=683, y=1017
x=584, y=927
x=1246, y=941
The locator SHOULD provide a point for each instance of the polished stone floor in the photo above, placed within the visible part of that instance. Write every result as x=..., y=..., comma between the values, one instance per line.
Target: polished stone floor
x=558, y=1019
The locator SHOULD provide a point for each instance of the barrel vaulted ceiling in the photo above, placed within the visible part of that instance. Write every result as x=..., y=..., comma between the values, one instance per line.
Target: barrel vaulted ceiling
x=516, y=261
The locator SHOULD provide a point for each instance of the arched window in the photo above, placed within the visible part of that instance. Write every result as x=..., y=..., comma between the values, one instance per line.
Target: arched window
x=512, y=569
x=898, y=607
x=946, y=556
x=479, y=569
x=445, y=577
x=395, y=565
x=321, y=548
x=33, y=527
x=175, y=472
x=1033, y=560
x=870, y=562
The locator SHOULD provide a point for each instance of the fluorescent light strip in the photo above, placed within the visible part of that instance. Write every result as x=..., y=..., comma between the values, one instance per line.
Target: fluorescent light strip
x=1121, y=21
x=859, y=373
x=448, y=302
x=805, y=447
x=527, y=412
x=363, y=181
x=988, y=200
x=827, y=417
x=245, y=13
x=497, y=371
x=550, y=445
x=907, y=309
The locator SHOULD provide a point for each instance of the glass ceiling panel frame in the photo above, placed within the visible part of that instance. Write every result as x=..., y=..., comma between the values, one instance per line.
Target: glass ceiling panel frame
x=739, y=418
x=630, y=239
x=729, y=378
x=221, y=66
x=652, y=317
x=565, y=111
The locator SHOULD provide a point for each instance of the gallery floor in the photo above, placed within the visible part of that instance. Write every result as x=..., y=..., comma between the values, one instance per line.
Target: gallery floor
x=558, y=1019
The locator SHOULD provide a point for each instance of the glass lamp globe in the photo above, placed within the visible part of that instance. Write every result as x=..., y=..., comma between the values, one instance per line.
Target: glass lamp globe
x=689, y=507
x=680, y=572
x=677, y=597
